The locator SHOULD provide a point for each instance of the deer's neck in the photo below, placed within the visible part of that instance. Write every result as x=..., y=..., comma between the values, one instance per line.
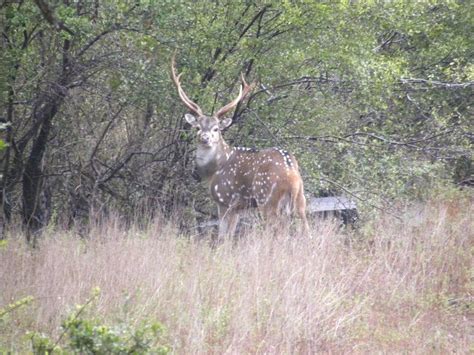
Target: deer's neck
x=210, y=159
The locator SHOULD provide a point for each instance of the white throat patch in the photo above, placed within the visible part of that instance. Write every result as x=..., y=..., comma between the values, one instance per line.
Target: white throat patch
x=205, y=155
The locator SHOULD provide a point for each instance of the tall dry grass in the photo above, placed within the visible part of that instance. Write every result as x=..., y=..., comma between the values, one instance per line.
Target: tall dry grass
x=396, y=286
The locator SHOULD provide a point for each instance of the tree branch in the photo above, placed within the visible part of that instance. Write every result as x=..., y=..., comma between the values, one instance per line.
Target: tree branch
x=437, y=83
x=48, y=15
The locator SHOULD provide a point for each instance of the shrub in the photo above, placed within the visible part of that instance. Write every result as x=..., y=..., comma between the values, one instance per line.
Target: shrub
x=90, y=336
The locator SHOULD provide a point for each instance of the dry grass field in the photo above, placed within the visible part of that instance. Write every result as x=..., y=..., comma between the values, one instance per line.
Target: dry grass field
x=396, y=285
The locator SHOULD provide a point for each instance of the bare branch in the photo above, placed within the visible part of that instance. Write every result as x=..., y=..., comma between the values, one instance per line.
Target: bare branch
x=437, y=83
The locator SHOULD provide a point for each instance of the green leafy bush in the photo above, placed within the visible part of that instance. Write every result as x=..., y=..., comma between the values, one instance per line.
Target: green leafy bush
x=91, y=336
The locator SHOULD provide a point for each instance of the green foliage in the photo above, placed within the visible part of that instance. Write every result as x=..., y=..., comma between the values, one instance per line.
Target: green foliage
x=375, y=98
x=91, y=336
x=16, y=305
x=10, y=314
x=42, y=344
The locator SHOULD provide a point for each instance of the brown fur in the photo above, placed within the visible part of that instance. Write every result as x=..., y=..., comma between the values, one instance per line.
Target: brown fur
x=268, y=179
x=241, y=178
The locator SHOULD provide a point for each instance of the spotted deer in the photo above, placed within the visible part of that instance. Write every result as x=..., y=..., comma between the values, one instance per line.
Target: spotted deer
x=241, y=178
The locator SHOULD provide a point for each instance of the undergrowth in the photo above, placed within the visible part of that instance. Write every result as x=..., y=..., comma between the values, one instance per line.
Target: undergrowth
x=395, y=285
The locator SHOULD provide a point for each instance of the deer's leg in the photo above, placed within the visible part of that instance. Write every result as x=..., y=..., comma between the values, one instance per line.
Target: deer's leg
x=300, y=207
x=271, y=218
x=228, y=218
x=269, y=207
x=233, y=220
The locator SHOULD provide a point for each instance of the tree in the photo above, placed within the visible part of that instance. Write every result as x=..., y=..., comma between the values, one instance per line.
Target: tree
x=374, y=99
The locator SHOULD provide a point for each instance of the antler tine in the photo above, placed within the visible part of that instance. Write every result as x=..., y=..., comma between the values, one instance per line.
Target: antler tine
x=190, y=104
x=244, y=90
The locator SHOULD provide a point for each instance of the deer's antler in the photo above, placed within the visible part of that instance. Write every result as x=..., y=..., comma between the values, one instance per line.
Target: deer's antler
x=244, y=90
x=190, y=104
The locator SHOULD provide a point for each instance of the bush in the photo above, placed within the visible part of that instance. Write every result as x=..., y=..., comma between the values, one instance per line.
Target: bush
x=88, y=336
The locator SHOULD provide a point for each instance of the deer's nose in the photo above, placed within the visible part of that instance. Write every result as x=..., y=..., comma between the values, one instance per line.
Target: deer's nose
x=205, y=138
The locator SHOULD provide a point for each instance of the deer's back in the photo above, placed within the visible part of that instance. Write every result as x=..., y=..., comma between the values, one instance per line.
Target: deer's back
x=255, y=177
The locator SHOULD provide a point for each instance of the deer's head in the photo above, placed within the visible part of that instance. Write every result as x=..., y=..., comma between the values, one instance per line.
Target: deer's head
x=208, y=127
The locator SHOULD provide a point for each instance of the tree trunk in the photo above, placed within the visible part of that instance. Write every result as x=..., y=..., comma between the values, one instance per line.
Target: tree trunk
x=33, y=172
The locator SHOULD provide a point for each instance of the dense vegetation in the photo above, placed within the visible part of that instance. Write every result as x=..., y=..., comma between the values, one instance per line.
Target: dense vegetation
x=374, y=98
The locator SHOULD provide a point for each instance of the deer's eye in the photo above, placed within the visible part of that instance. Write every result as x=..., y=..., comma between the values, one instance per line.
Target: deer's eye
x=215, y=129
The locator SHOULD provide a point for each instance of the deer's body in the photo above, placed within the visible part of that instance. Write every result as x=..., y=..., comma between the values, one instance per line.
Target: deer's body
x=241, y=178
x=244, y=177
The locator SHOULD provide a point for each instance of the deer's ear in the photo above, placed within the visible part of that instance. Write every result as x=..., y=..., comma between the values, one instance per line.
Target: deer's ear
x=225, y=122
x=192, y=120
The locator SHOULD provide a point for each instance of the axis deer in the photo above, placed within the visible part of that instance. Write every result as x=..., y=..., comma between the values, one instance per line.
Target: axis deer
x=240, y=178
